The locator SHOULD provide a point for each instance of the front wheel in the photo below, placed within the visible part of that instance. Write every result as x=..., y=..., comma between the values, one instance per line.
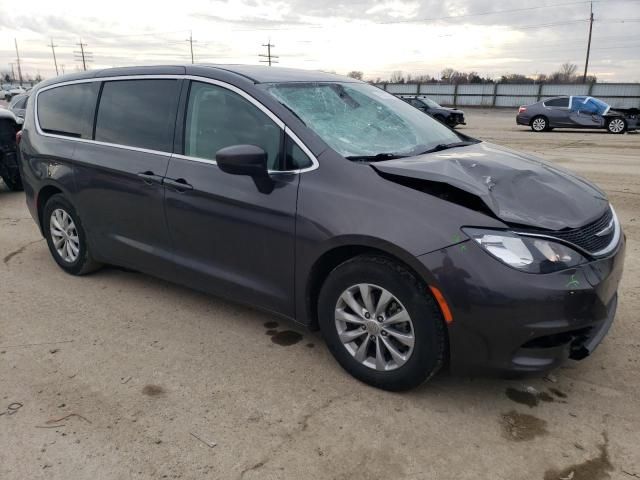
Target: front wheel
x=381, y=323
x=66, y=237
x=616, y=125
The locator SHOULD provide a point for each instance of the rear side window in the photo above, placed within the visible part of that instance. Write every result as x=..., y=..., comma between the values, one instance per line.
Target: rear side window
x=138, y=113
x=68, y=110
x=557, y=102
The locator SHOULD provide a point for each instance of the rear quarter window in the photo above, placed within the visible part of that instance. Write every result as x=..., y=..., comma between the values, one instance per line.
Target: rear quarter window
x=68, y=110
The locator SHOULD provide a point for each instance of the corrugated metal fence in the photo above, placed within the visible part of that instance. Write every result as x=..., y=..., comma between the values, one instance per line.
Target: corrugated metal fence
x=513, y=95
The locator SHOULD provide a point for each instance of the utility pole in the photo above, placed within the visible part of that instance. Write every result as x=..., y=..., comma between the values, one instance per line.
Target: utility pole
x=62, y=67
x=83, y=55
x=190, y=40
x=18, y=60
x=586, y=63
x=53, y=50
x=268, y=56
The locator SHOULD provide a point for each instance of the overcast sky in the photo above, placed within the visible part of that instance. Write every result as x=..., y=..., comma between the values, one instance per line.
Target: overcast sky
x=492, y=37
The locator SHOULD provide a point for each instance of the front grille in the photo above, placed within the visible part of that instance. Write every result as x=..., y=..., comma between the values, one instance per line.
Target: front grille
x=585, y=237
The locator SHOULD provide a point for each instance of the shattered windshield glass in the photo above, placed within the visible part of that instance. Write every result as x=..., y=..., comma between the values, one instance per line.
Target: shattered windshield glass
x=360, y=120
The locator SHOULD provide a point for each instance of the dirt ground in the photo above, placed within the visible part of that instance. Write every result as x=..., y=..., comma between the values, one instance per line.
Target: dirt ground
x=119, y=375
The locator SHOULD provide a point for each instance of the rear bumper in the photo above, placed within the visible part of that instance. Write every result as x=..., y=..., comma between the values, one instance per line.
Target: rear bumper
x=522, y=120
x=506, y=321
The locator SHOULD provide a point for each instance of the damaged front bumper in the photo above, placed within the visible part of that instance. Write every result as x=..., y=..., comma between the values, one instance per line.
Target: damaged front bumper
x=507, y=321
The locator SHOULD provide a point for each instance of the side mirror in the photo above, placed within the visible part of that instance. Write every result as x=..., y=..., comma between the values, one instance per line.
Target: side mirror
x=243, y=160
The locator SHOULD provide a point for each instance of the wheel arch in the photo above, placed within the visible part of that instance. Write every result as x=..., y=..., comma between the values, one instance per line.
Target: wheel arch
x=338, y=254
x=44, y=194
x=538, y=115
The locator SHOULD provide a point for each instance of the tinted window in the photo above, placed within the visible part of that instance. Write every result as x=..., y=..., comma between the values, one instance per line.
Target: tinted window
x=218, y=118
x=557, y=102
x=295, y=158
x=68, y=110
x=138, y=113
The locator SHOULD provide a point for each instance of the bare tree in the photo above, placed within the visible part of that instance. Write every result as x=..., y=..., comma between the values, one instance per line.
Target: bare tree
x=568, y=69
x=396, y=77
x=355, y=74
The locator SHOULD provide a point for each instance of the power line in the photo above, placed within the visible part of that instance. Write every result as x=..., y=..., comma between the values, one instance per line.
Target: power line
x=83, y=55
x=18, y=60
x=496, y=12
x=268, y=56
x=190, y=40
x=586, y=62
x=53, y=50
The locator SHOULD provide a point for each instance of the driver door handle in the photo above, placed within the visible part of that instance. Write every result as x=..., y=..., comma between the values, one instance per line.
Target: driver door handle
x=179, y=184
x=149, y=178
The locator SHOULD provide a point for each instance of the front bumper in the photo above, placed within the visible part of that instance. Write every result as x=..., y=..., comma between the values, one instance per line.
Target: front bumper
x=507, y=321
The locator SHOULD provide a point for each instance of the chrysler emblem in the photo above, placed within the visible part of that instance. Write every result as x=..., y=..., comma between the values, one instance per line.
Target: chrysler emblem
x=606, y=230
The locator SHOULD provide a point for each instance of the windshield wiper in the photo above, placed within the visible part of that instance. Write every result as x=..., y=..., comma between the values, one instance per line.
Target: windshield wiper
x=374, y=158
x=446, y=146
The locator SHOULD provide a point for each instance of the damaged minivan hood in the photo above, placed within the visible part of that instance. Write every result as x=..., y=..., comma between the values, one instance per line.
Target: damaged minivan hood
x=518, y=189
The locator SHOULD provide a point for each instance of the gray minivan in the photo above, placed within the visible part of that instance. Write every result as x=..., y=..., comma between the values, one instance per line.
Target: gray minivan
x=331, y=202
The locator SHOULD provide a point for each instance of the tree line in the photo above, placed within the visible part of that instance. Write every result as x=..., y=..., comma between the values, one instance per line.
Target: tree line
x=567, y=73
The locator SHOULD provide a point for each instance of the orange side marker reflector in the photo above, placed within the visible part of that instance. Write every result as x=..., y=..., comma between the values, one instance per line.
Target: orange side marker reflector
x=446, y=311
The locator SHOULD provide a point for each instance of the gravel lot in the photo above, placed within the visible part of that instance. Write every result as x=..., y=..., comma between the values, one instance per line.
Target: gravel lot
x=121, y=375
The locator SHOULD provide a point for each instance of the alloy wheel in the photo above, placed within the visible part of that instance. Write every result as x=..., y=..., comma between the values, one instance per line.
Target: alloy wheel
x=539, y=124
x=616, y=125
x=64, y=235
x=374, y=327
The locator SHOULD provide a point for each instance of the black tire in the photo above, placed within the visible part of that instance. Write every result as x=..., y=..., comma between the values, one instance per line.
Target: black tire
x=539, y=123
x=440, y=118
x=10, y=172
x=84, y=263
x=13, y=182
x=428, y=326
x=614, y=124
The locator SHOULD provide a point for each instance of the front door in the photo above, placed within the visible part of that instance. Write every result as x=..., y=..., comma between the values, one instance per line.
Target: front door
x=231, y=237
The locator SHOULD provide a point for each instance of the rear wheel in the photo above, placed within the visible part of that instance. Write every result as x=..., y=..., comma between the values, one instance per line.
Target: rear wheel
x=616, y=125
x=539, y=123
x=381, y=324
x=66, y=237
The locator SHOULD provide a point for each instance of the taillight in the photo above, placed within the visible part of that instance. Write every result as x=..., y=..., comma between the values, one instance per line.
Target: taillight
x=522, y=109
x=18, y=137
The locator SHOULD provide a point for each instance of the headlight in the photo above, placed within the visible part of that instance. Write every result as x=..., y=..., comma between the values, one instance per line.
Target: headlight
x=530, y=254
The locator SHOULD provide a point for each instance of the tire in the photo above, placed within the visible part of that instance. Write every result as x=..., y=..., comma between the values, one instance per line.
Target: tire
x=440, y=118
x=378, y=274
x=10, y=172
x=78, y=260
x=13, y=182
x=539, y=123
x=616, y=125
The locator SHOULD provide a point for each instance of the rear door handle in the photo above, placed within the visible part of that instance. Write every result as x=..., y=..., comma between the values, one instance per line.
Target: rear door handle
x=150, y=178
x=179, y=184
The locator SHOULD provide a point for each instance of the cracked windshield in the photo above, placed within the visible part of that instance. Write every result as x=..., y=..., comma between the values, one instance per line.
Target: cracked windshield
x=359, y=120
